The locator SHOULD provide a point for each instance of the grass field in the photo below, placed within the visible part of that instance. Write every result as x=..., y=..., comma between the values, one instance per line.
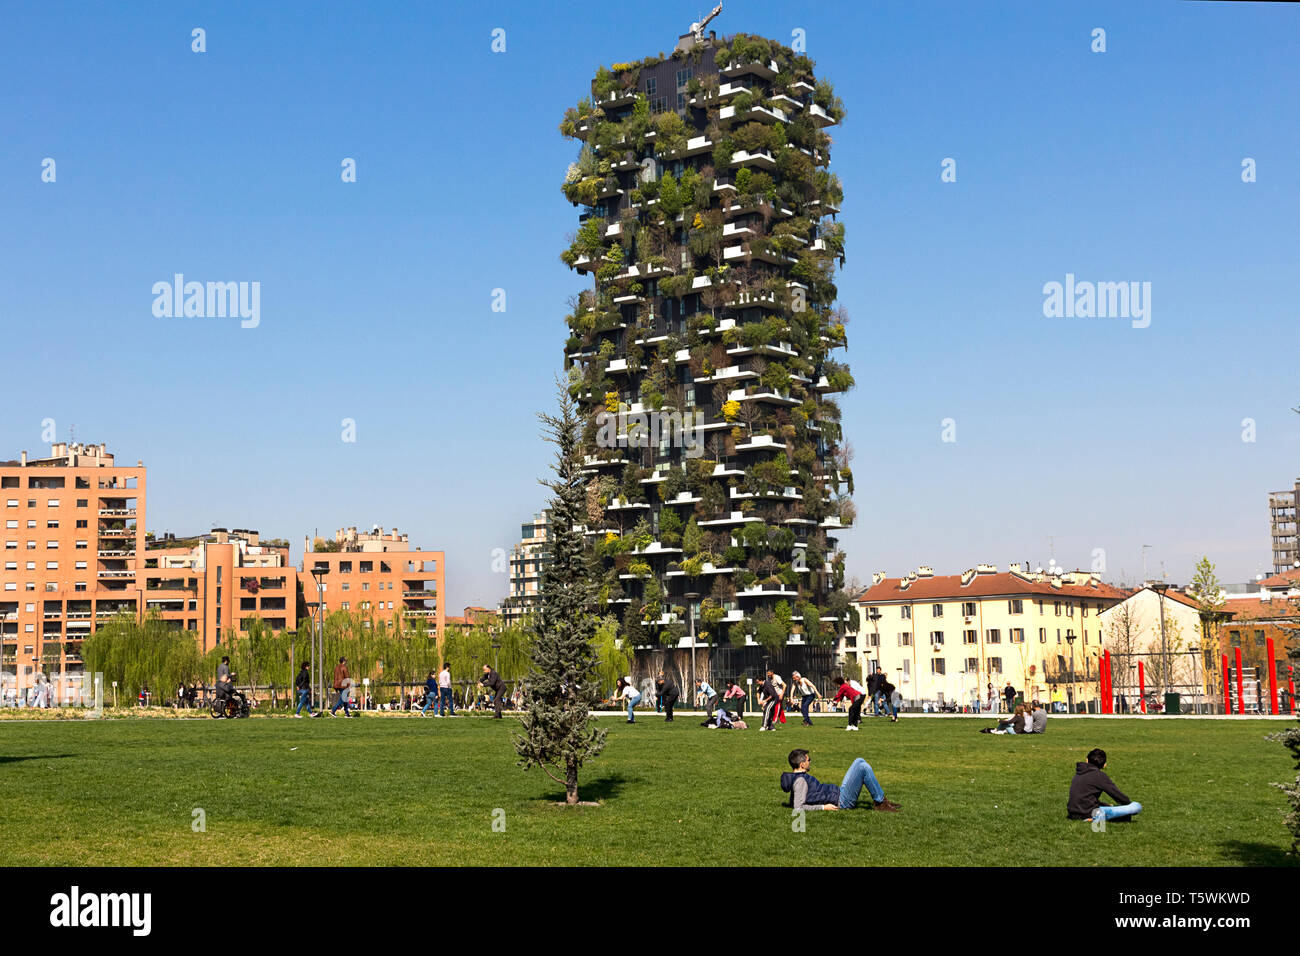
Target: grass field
x=401, y=790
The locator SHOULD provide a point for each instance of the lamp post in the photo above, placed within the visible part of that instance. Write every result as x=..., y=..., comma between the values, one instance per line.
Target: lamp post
x=318, y=638
x=1195, y=651
x=690, y=621
x=873, y=616
x=1070, y=638
x=1165, y=676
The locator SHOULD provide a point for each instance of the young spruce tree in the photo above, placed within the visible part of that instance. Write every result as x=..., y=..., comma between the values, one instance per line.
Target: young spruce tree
x=562, y=686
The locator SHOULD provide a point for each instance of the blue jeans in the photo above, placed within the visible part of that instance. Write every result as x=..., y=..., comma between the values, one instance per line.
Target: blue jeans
x=807, y=702
x=632, y=702
x=1116, y=813
x=430, y=700
x=343, y=700
x=446, y=702
x=887, y=705
x=859, y=774
x=304, y=699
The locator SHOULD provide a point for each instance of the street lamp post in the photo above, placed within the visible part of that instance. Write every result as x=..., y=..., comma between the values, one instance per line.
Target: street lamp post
x=1165, y=676
x=690, y=620
x=1195, y=651
x=318, y=638
x=1070, y=638
x=873, y=616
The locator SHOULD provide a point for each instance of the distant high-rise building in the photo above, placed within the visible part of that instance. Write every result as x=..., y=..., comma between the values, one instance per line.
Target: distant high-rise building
x=702, y=353
x=527, y=561
x=1282, y=525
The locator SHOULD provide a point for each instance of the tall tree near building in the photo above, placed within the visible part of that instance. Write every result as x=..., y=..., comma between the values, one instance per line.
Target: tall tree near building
x=562, y=686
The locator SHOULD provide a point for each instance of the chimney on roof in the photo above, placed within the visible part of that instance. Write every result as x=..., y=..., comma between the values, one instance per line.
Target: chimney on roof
x=877, y=577
x=967, y=576
x=925, y=571
x=986, y=569
x=24, y=461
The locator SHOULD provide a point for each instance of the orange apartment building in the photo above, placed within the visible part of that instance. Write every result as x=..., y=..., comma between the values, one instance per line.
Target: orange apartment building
x=76, y=554
x=73, y=528
x=378, y=575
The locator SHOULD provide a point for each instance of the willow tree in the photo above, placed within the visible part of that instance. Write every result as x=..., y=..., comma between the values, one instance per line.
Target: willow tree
x=562, y=685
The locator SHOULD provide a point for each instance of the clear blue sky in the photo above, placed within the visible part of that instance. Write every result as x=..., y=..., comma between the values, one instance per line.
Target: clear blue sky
x=376, y=296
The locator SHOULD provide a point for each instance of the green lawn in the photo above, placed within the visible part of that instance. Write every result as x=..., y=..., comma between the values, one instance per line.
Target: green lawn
x=401, y=790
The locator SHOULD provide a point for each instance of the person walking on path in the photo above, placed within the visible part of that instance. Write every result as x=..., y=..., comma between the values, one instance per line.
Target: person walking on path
x=302, y=683
x=855, y=697
x=807, y=694
x=342, y=684
x=431, y=695
x=446, y=700
x=626, y=691
x=496, y=686
x=1009, y=694
x=669, y=694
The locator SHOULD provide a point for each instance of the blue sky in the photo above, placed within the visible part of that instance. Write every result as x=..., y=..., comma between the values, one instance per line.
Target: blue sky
x=1072, y=434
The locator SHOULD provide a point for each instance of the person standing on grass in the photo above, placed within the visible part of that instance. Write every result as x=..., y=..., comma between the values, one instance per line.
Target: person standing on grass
x=807, y=694
x=735, y=693
x=446, y=700
x=342, y=682
x=1009, y=694
x=431, y=695
x=768, y=700
x=887, y=691
x=496, y=687
x=704, y=690
x=1089, y=783
x=873, y=692
x=779, y=683
x=809, y=793
x=669, y=694
x=302, y=684
x=855, y=697
x=626, y=691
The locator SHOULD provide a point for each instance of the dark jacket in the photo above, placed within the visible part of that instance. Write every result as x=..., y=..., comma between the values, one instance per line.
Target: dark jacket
x=431, y=685
x=767, y=691
x=1018, y=723
x=668, y=689
x=1086, y=788
x=818, y=793
x=873, y=683
x=492, y=681
x=303, y=680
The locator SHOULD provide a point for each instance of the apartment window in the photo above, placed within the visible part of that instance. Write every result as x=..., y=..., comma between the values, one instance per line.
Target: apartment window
x=11, y=586
x=12, y=503
x=51, y=565
x=1058, y=608
x=1058, y=635
x=82, y=503
x=367, y=567
x=31, y=502
x=51, y=545
x=11, y=524
x=1234, y=637
x=1042, y=635
x=1015, y=606
x=684, y=76
x=936, y=638
x=80, y=585
x=365, y=585
x=52, y=523
x=390, y=605
x=1017, y=635
x=53, y=502
x=904, y=638
x=968, y=609
x=1069, y=609
x=650, y=84
x=970, y=636
x=905, y=612
x=11, y=545
x=938, y=666
x=82, y=545
x=993, y=635
x=681, y=108
x=972, y=665
x=80, y=566
x=659, y=104
x=1083, y=609
x=995, y=665
x=345, y=567
x=11, y=565
x=347, y=586
x=936, y=610
x=347, y=605
x=31, y=565
x=82, y=523
x=1259, y=639
x=31, y=524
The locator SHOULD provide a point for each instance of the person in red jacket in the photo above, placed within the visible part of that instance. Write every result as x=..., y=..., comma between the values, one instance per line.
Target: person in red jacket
x=854, y=696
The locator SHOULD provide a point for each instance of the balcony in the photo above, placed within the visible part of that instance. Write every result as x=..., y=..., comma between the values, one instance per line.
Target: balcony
x=764, y=68
x=116, y=573
x=116, y=554
x=762, y=159
x=421, y=593
x=117, y=512
x=820, y=116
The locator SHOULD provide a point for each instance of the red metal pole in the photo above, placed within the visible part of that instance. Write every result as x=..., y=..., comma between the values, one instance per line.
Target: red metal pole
x=1272, y=679
x=1290, y=685
x=1142, y=687
x=1105, y=683
x=1241, y=698
x=1227, y=693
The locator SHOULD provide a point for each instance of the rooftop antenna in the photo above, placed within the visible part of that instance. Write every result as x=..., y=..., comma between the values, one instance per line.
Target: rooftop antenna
x=72, y=434
x=1145, y=549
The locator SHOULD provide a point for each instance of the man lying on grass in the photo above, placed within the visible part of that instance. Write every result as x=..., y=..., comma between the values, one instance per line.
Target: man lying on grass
x=809, y=793
x=1089, y=783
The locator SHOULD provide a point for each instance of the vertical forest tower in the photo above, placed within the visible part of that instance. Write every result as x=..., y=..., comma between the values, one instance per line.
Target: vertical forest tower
x=708, y=228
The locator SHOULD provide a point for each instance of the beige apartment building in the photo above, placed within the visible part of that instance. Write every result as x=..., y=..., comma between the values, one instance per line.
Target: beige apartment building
x=945, y=638
x=73, y=528
x=379, y=575
x=527, y=560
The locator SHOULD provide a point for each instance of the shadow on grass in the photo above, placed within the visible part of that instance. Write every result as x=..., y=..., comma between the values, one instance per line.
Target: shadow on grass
x=1259, y=854
x=35, y=757
x=601, y=789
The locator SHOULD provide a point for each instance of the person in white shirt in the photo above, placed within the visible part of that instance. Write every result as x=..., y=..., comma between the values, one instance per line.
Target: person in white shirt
x=628, y=692
x=807, y=694
x=446, y=702
x=779, y=685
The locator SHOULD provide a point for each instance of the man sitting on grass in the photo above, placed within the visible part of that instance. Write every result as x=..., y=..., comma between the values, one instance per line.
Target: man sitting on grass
x=1089, y=783
x=809, y=793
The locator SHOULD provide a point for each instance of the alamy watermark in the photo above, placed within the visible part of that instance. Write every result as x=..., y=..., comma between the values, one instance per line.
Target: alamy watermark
x=1101, y=300
x=210, y=300
x=651, y=429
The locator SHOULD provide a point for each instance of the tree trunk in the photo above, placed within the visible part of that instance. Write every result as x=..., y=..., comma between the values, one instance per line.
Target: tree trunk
x=571, y=782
